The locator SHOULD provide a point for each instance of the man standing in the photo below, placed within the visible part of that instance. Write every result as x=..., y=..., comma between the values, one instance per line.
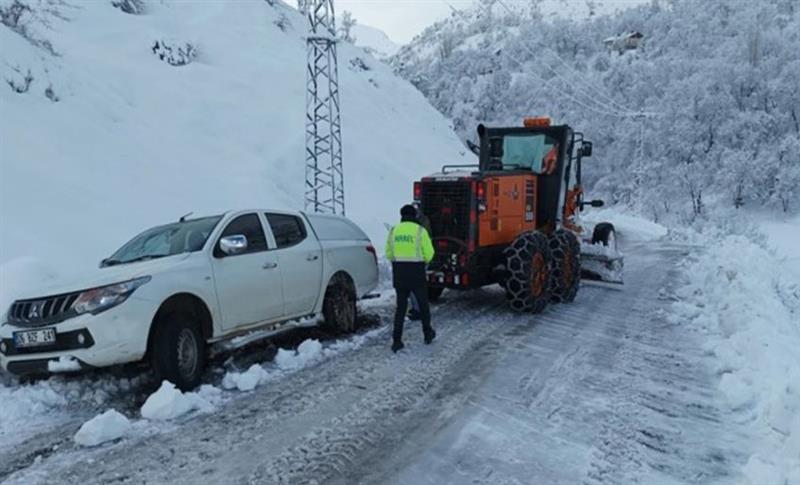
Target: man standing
x=409, y=248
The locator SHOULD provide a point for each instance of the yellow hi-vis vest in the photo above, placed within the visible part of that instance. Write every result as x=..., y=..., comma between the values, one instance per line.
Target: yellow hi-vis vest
x=409, y=242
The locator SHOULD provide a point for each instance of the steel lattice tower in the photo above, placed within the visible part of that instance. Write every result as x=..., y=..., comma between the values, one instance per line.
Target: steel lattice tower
x=324, y=189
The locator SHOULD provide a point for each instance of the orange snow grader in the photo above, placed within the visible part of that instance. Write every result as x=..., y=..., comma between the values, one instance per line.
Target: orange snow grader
x=513, y=219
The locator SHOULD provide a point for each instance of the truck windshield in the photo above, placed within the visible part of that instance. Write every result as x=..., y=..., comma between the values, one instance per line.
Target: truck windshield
x=179, y=237
x=524, y=152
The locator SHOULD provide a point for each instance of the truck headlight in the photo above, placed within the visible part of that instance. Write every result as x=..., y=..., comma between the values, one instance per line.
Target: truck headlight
x=101, y=299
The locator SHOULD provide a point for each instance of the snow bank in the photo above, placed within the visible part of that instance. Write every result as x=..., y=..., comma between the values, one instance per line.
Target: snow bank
x=168, y=402
x=748, y=305
x=105, y=427
x=308, y=353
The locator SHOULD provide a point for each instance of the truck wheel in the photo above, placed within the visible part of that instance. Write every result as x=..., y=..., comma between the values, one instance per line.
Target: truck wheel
x=434, y=293
x=605, y=234
x=566, y=252
x=339, y=306
x=528, y=261
x=178, y=351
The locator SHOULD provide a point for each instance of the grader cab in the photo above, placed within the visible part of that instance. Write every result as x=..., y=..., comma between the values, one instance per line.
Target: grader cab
x=513, y=219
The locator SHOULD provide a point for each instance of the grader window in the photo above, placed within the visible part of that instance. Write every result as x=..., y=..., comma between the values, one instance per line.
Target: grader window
x=525, y=152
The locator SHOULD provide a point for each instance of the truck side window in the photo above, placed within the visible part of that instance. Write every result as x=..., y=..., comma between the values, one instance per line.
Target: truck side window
x=288, y=230
x=249, y=226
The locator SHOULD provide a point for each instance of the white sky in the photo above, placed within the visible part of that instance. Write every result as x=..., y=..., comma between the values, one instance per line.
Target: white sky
x=400, y=19
x=403, y=19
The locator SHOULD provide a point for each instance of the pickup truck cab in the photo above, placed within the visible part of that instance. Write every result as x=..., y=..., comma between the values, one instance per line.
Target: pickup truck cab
x=174, y=289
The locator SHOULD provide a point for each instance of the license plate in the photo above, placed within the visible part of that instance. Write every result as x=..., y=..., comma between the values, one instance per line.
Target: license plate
x=33, y=338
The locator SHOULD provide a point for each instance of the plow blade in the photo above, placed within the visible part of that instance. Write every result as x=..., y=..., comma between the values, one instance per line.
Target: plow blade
x=601, y=263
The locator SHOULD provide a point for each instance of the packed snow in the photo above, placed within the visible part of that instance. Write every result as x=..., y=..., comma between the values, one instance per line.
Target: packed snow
x=109, y=426
x=168, y=402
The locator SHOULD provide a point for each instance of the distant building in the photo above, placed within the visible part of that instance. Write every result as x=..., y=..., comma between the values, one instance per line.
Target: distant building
x=624, y=42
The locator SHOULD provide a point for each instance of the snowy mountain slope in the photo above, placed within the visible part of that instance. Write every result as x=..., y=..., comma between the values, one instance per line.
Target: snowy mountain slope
x=704, y=115
x=375, y=40
x=134, y=141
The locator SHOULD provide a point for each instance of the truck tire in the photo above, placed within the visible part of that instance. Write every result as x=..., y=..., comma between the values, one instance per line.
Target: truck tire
x=605, y=234
x=339, y=306
x=528, y=262
x=434, y=293
x=566, y=252
x=178, y=351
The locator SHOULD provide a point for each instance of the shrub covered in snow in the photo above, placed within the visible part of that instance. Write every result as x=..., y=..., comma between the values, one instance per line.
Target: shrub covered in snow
x=133, y=7
x=174, y=53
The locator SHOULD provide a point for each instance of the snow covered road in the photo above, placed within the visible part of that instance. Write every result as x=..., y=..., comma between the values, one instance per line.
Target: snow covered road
x=605, y=390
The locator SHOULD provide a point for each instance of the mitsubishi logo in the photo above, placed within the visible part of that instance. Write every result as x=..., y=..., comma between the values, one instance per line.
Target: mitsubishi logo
x=36, y=310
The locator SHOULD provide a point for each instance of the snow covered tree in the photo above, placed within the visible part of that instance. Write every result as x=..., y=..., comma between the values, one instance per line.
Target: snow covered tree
x=701, y=115
x=346, y=25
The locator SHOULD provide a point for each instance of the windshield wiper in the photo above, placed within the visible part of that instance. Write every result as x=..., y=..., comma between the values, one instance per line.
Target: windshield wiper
x=146, y=257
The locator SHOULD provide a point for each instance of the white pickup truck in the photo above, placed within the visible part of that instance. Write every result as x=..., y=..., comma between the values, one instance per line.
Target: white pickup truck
x=174, y=289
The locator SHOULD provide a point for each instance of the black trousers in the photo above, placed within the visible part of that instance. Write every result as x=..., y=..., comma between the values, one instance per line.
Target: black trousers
x=421, y=293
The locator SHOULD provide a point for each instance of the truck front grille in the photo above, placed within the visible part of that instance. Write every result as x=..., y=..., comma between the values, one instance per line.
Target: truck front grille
x=447, y=205
x=42, y=311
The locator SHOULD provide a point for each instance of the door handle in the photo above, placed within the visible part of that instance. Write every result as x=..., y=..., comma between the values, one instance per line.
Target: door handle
x=269, y=265
x=312, y=257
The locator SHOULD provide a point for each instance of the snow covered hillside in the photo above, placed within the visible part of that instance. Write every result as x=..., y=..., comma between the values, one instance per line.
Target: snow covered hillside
x=703, y=114
x=115, y=121
x=374, y=40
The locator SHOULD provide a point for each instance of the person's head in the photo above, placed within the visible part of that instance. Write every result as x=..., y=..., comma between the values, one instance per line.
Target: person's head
x=408, y=213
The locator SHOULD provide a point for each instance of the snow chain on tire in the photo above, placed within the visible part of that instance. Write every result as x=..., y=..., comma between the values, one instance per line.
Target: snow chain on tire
x=566, y=253
x=529, y=267
x=339, y=306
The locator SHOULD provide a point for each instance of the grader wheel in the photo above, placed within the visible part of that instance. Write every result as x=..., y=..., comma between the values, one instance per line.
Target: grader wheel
x=528, y=261
x=566, y=252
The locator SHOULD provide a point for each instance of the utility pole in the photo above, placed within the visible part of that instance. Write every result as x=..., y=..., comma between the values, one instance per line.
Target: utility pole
x=324, y=188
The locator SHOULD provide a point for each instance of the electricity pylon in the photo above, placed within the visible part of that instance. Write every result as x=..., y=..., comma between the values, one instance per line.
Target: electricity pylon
x=324, y=189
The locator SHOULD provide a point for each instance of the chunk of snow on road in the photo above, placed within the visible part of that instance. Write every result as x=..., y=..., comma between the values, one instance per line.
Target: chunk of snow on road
x=169, y=403
x=100, y=429
x=740, y=296
x=245, y=381
x=63, y=364
x=307, y=352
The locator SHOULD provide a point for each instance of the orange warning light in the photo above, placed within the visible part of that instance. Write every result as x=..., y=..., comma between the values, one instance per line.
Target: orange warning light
x=538, y=122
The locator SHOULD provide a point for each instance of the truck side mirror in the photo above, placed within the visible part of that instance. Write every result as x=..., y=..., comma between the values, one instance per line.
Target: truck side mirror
x=586, y=149
x=232, y=245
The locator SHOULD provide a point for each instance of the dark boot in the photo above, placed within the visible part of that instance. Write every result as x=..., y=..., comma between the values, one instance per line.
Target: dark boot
x=397, y=346
x=429, y=336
